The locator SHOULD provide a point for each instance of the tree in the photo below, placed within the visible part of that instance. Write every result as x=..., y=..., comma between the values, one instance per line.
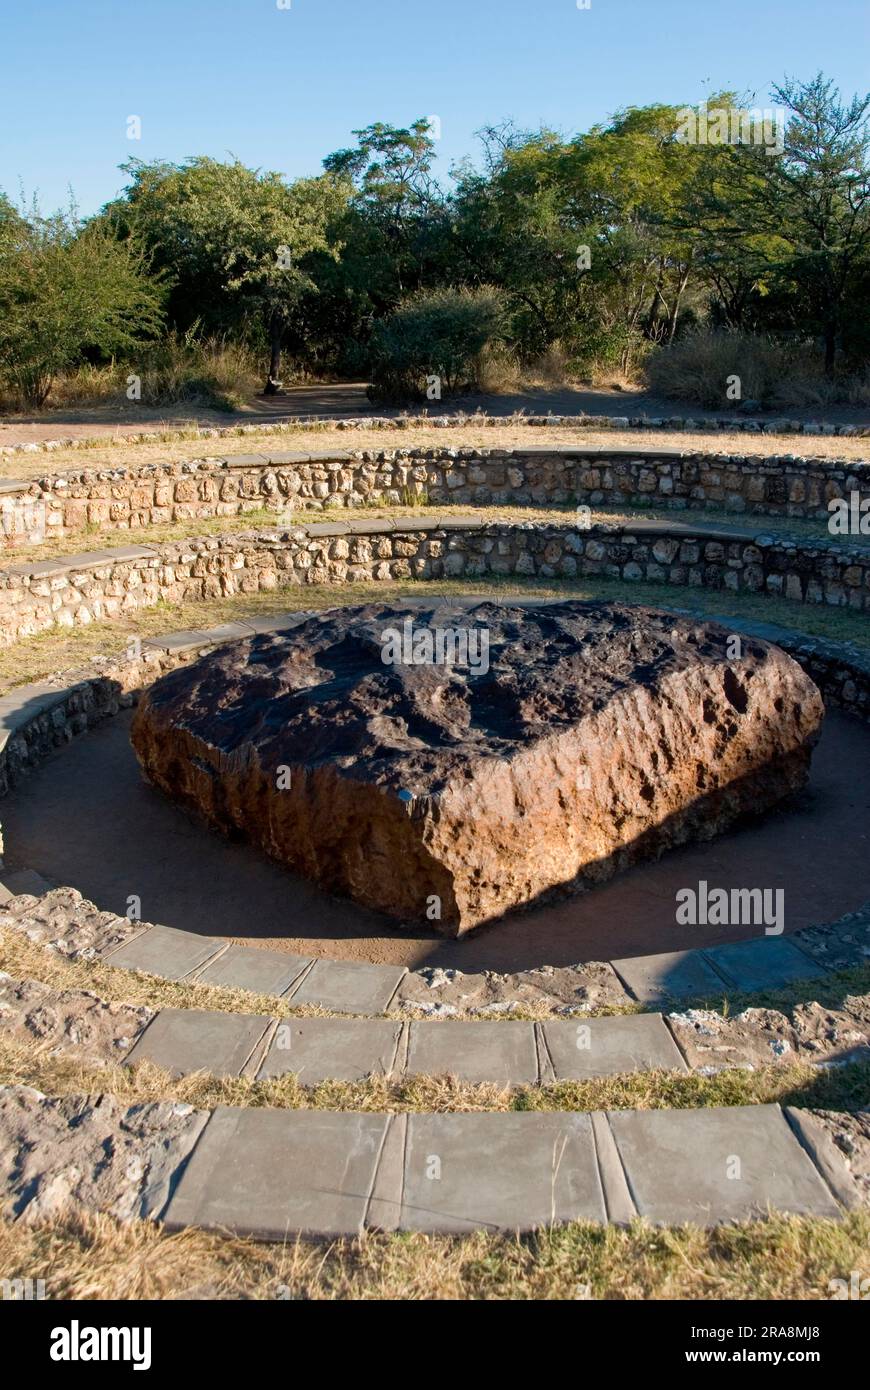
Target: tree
x=236, y=242
x=396, y=201
x=801, y=218
x=67, y=288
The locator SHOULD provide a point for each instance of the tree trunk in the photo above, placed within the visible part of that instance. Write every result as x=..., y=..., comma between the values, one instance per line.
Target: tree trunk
x=830, y=345
x=276, y=336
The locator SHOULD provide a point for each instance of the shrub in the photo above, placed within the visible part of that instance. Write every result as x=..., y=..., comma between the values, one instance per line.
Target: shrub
x=697, y=367
x=67, y=292
x=215, y=373
x=440, y=333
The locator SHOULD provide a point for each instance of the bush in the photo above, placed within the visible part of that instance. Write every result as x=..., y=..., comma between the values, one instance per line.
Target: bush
x=436, y=333
x=68, y=294
x=697, y=367
x=215, y=373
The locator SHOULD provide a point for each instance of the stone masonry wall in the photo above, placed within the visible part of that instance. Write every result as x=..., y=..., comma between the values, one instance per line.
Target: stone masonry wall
x=287, y=482
x=75, y=591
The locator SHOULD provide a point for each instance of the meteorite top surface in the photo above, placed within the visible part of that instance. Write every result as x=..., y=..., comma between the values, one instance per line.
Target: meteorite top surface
x=323, y=692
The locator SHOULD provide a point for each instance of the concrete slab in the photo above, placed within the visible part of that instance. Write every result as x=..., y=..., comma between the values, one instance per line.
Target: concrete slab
x=187, y=1040
x=23, y=881
x=503, y=1053
x=337, y=1049
x=261, y=972
x=812, y=1136
x=375, y=527
x=284, y=456
x=499, y=1171
x=346, y=987
x=245, y=460
x=277, y=623
x=610, y=1046
x=166, y=952
x=716, y=1165
x=767, y=962
x=229, y=632
x=177, y=641
x=21, y=706
x=328, y=528
x=272, y=1173
x=669, y=975
x=459, y=523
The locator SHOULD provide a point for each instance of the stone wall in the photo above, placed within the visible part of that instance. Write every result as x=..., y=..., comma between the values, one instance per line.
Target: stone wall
x=287, y=482
x=82, y=589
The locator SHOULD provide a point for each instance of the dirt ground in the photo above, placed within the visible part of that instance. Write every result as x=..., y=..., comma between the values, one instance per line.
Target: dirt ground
x=87, y=818
x=349, y=399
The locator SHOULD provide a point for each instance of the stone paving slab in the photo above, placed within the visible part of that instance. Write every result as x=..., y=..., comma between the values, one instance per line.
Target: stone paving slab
x=669, y=975
x=502, y=1053
x=245, y=460
x=261, y=972
x=333, y=1049
x=229, y=632
x=678, y=1165
x=23, y=881
x=278, y=623
x=165, y=951
x=19, y=707
x=610, y=1046
x=177, y=641
x=348, y=987
x=188, y=1040
x=766, y=962
x=812, y=1136
x=274, y=1173
x=499, y=1171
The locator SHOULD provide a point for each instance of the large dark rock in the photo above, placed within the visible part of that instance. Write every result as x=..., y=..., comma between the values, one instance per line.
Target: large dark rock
x=598, y=735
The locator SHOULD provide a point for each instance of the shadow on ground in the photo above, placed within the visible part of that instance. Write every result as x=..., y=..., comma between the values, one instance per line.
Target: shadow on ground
x=87, y=818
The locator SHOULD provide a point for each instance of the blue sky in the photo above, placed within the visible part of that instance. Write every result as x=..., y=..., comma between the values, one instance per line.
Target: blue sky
x=280, y=88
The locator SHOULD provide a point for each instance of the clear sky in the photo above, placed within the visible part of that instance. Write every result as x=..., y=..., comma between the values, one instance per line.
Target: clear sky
x=281, y=88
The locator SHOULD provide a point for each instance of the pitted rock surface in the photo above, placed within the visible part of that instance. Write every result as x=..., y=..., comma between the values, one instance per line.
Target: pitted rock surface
x=757, y=1037
x=594, y=736
x=69, y=923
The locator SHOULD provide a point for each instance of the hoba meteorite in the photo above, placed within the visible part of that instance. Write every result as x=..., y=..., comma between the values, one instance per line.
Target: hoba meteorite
x=593, y=736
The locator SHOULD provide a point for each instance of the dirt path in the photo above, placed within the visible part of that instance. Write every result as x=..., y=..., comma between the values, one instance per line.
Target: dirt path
x=349, y=398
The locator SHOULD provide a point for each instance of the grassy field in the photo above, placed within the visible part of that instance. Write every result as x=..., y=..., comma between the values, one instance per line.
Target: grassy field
x=108, y=452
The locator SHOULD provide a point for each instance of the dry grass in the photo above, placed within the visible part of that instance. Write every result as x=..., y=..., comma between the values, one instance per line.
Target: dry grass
x=96, y=1257
x=840, y=1088
x=116, y=451
x=61, y=651
x=815, y=532
x=25, y=959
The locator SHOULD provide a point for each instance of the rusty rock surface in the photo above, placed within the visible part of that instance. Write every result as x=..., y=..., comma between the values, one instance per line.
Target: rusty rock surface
x=576, y=739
